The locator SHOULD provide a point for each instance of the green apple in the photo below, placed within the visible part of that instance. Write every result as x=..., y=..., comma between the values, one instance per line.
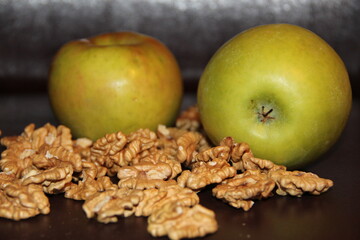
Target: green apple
x=114, y=82
x=280, y=88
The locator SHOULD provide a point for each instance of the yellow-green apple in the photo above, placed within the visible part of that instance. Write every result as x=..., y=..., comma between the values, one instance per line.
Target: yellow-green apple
x=280, y=88
x=114, y=82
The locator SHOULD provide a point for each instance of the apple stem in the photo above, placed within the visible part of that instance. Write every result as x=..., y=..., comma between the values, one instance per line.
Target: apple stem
x=268, y=112
x=265, y=115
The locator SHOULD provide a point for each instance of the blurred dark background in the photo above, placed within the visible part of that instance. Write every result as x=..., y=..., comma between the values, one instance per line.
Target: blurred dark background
x=31, y=31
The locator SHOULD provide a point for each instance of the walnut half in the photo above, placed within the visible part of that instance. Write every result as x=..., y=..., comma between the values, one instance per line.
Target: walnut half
x=179, y=221
x=240, y=190
x=107, y=205
x=296, y=183
x=205, y=173
x=18, y=201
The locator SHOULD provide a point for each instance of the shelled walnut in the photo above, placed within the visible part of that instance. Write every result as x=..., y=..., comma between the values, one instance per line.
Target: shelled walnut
x=189, y=119
x=17, y=157
x=189, y=145
x=144, y=175
x=220, y=152
x=240, y=190
x=53, y=180
x=60, y=153
x=142, y=184
x=118, y=150
x=105, y=147
x=18, y=201
x=296, y=183
x=107, y=205
x=93, y=180
x=161, y=157
x=243, y=159
x=146, y=170
x=85, y=189
x=156, y=198
x=49, y=135
x=206, y=173
x=170, y=133
x=178, y=221
x=82, y=147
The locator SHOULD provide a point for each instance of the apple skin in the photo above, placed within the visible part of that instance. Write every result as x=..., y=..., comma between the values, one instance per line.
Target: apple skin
x=114, y=82
x=280, y=88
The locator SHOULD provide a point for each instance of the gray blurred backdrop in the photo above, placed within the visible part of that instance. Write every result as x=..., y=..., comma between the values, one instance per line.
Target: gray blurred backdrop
x=31, y=31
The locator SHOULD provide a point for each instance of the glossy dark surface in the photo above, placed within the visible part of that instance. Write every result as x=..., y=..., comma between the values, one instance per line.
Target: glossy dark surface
x=332, y=215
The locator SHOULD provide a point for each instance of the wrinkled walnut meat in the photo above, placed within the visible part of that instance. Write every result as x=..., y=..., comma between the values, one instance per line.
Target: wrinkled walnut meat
x=167, y=142
x=220, y=152
x=189, y=145
x=141, y=184
x=149, y=172
x=17, y=157
x=84, y=189
x=141, y=143
x=296, y=183
x=243, y=159
x=19, y=201
x=93, y=180
x=146, y=170
x=53, y=180
x=49, y=135
x=240, y=190
x=189, y=119
x=35, y=143
x=170, y=133
x=82, y=147
x=47, y=156
x=160, y=157
x=156, y=198
x=158, y=174
x=118, y=150
x=206, y=173
x=178, y=221
x=106, y=206
x=104, y=149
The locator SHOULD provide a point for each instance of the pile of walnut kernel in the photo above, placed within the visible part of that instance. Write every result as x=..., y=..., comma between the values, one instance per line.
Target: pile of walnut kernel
x=159, y=175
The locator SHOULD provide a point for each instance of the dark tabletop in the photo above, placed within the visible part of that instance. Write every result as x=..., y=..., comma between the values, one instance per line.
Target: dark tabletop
x=332, y=215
